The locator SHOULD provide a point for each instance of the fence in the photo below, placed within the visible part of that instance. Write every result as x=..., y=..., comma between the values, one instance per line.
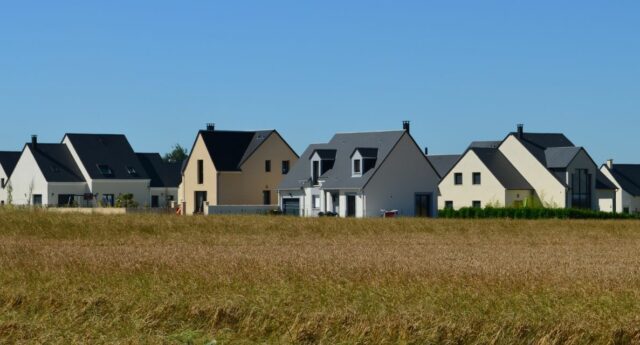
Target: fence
x=239, y=209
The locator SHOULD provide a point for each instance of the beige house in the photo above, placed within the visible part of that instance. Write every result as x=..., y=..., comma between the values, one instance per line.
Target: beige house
x=545, y=168
x=234, y=168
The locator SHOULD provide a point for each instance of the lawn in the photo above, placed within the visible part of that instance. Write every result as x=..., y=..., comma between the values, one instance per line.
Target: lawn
x=149, y=279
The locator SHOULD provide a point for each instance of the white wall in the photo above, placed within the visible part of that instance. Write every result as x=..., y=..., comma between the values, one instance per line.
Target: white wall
x=162, y=194
x=27, y=180
x=489, y=191
x=404, y=173
x=74, y=188
x=548, y=189
x=605, y=200
x=623, y=199
x=139, y=188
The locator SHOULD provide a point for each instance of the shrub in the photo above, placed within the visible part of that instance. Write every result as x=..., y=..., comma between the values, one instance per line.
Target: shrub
x=531, y=213
x=126, y=201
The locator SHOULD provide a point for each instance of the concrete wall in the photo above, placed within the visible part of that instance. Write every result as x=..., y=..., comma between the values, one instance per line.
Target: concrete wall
x=190, y=177
x=404, y=173
x=239, y=209
x=582, y=161
x=489, y=191
x=246, y=187
x=548, y=189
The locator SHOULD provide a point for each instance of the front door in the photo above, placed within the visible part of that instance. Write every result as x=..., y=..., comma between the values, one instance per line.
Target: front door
x=423, y=205
x=155, y=201
x=200, y=198
x=351, y=205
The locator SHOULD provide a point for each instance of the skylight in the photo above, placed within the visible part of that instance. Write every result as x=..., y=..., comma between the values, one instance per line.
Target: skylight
x=105, y=170
x=131, y=170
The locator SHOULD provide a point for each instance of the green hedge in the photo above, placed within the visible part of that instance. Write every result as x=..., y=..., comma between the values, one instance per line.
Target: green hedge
x=531, y=213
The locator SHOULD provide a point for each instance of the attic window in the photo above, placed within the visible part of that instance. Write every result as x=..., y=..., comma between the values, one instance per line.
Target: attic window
x=105, y=170
x=132, y=171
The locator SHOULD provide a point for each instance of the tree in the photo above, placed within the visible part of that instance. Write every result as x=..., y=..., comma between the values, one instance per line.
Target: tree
x=9, y=194
x=177, y=154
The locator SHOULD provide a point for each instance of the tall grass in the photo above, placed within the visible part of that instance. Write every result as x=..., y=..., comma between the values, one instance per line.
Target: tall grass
x=150, y=279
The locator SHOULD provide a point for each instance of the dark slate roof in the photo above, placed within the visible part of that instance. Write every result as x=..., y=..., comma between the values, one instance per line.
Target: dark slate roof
x=325, y=154
x=366, y=152
x=537, y=143
x=501, y=168
x=560, y=157
x=8, y=160
x=56, y=163
x=628, y=176
x=485, y=144
x=229, y=149
x=162, y=174
x=112, y=150
x=603, y=182
x=443, y=163
x=344, y=144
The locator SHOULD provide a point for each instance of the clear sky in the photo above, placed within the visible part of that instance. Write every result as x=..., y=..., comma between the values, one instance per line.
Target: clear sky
x=157, y=71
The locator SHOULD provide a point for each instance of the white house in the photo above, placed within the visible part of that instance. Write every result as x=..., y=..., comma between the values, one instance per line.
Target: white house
x=165, y=178
x=46, y=174
x=626, y=178
x=361, y=174
x=8, y=161
x=545, y=166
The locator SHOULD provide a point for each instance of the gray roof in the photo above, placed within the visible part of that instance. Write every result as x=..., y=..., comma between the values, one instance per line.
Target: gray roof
x=344, y=145
x=560, y=157
x=628, y=176
x=537, y=143
x=603, y=182
x=162, y=174
x=443, y=163
x=8, y=160
x=485, y=144
x=56, y=163
x=111, y=150
x=501, y=168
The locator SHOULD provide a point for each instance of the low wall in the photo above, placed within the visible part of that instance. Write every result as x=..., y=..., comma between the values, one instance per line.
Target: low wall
x=239, y=209
x=110, y=210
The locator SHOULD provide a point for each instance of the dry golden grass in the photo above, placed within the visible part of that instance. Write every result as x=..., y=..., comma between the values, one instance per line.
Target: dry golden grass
x=148, y=279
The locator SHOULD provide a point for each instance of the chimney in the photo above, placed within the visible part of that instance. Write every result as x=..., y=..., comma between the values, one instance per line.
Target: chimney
x=406, y=125
x=610, y=163
x=520, y=130
x=211, y=127
x=426, y=151
x=34, y=141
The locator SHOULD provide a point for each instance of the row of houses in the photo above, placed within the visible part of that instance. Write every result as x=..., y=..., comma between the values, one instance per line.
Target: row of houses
x=363, y=174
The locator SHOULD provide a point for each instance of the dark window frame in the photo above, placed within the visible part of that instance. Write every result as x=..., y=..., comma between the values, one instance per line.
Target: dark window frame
x=581, y=189
x=457, y=179
x=357, y=167
x=267, y=165
x=448, y=205
x=476, y=178
x=286, y=166
x=476, y=204
x=200, y=172
x=105, y=170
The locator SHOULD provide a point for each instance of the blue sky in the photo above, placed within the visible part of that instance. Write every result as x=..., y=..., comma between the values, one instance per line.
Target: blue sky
x=157, y=71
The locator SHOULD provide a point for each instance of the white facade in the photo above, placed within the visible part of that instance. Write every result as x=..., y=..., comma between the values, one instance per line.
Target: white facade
x=623, y=200
x=165, y=196
x=404, y=174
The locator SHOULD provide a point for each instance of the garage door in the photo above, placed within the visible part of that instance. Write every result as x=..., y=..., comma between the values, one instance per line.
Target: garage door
x=291, y=207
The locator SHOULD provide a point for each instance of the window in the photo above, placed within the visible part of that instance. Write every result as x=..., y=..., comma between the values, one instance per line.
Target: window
x=267, y=166
x=315, y=172
x=37, y=200
x=477, y=204
x=457, y=179
x=108, y=200
x=155, y=201
x=200, y=171
x=448, y=205
x=476, y=178
x=105, y=170
x=2, y=183
x=625, y=210
x=368, y=164
x=581, y=189
x=356, y=167
x=285, y=167
x=315, y=202
x=131, y=171
x=266, y=197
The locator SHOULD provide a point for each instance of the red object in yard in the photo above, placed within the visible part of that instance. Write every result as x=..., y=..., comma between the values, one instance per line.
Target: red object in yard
x=389, y=214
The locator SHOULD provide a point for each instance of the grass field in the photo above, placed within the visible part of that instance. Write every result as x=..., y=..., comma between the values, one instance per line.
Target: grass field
x=147, y=279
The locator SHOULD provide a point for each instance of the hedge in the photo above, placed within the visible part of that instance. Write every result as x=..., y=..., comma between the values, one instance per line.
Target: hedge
x=531, y=213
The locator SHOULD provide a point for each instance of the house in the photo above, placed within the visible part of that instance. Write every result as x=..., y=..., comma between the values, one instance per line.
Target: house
x=110, y=167
x=8, y=161
x=360, y=175
x=544, y=168
x=47, y=174
x=234, y=168
x=165, y=178
x=626, y=178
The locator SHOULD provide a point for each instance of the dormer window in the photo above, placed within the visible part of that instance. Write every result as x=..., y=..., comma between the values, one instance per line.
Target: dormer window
x=105, y=170
x=131, y=171
x=357, y=167
x=321, y=162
